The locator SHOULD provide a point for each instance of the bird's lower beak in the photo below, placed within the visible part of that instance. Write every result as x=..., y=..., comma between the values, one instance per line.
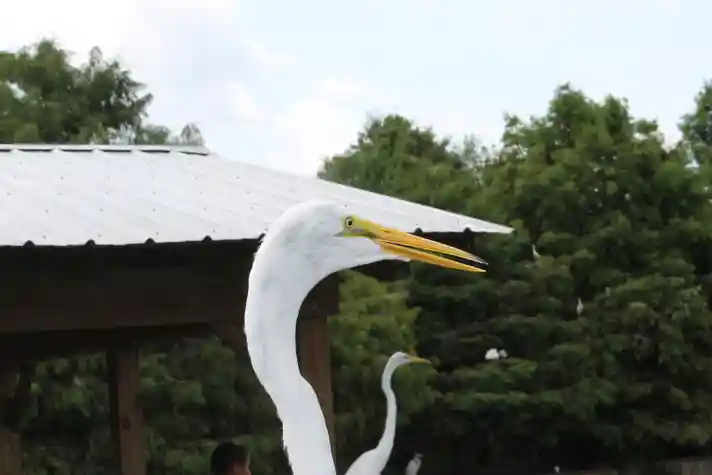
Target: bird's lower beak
x=421, y=249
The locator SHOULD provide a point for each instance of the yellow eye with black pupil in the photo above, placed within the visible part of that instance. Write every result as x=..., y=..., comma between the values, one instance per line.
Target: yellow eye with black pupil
x=349, y=222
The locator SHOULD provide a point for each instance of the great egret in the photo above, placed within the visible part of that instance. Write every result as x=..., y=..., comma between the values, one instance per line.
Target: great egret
x=414, y=465
x=535, y=253
x=374, y=461
x=579, y=307
x=495, y=354
x=305, y=244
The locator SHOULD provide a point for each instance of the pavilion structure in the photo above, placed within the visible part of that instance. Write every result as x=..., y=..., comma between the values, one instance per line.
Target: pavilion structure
x=107, y=248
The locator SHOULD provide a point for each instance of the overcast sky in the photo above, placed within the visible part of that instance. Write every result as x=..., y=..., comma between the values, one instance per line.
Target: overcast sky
x=286, y=83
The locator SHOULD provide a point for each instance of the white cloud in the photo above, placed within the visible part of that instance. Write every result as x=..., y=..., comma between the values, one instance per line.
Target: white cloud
x=134, y=31
x=323, y=123
x=245, y=105
x=268, y=58
x=342, y=88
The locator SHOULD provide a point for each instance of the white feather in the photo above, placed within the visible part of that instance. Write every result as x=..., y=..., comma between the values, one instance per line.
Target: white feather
x=374, y=461
x=414, y=465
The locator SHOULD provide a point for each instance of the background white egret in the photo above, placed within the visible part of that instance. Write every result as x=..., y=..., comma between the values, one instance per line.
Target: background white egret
x=579, y=307
x=414, y=465
x=492, y=354
x=305, y=244
x=535, y=253
x=374, y=461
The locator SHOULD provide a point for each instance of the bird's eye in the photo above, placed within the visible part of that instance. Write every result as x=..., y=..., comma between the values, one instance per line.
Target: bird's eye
x=349, y=222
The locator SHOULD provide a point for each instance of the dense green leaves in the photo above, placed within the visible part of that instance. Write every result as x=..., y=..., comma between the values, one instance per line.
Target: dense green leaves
x=617, y=221
x=44, y=98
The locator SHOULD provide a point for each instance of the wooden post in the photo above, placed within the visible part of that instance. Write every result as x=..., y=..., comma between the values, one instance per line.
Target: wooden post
x=10, y=441
x=314, y=344
x=10, y=452
x=126, y=417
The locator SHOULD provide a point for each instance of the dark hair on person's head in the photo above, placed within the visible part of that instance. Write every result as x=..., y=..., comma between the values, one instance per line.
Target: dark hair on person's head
x=226, y=455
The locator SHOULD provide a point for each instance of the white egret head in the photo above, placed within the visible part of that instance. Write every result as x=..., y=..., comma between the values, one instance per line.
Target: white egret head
x=331, y=239
x=400, y=358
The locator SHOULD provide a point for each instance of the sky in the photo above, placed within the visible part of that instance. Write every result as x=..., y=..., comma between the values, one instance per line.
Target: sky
x=285, y=84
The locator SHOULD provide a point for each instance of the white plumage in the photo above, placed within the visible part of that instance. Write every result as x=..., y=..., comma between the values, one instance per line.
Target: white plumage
x=374, y=461
x=579, y=307
x=306, y=244
x=414, y=465
x=494, y=354
x=535, y=253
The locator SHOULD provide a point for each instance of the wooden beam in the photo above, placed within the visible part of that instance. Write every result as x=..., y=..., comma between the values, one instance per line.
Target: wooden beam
x=126, y=417
x=54, y=300
x=46, y=345
x=314, y=344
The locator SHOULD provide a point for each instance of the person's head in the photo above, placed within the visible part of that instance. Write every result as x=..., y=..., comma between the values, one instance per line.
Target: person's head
x=230, y=459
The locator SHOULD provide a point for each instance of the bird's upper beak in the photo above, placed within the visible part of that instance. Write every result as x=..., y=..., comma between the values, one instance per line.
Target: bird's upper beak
x=416, y=248
x=418, y=359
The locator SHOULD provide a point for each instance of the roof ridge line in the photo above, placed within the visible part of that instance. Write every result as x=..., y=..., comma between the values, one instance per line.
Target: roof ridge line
x=169, y=148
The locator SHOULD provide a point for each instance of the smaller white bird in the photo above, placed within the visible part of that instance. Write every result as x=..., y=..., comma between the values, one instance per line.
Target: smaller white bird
x=535, y=253
x=579, y=307
x=492, y=354
x=502, y=353
x=372, y=462
x=414, y=465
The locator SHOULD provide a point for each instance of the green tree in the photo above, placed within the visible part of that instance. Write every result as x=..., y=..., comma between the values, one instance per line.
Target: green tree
x=46, y=99
x=696, y=127
x=619, y=222
x=598, y=192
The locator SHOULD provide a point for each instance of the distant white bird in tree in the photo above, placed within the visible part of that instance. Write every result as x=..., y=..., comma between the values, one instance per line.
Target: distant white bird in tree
x=495, y=354
x=579, y=307
x=608, y=291
x=535, y=253
x=414, y=465
x=374, y=461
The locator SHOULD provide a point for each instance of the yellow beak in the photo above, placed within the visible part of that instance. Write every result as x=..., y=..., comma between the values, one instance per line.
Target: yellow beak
x=418, y=359
x=414, y=247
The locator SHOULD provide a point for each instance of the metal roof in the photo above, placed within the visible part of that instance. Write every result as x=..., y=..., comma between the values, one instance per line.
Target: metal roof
x=68, y=195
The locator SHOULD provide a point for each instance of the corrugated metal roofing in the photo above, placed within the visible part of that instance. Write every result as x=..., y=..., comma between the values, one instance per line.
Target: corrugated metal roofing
x=68, y=195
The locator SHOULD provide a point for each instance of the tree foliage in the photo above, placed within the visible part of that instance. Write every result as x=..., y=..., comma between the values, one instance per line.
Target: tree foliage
x=44, y=98
x=619, y=221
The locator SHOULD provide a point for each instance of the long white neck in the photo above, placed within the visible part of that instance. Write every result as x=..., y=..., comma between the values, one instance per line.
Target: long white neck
x=385, y=445
x=271, y=313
